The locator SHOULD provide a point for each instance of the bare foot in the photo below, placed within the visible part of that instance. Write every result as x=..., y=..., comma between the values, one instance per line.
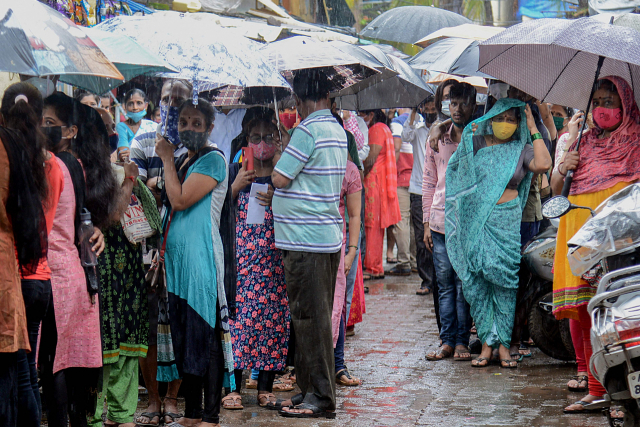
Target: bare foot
x=171, y=406
x=203, y=424
x=484, y=358
x=113, y=423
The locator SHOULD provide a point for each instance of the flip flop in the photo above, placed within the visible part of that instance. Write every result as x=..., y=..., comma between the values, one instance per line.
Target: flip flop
x=583, y=410
x=151, y=416
x=479, y=360
x=458, y=358
x=579, y=379
x=509, y=363
x=315, y=412
x=423, y=291
x=524, y=346
x=439, y=354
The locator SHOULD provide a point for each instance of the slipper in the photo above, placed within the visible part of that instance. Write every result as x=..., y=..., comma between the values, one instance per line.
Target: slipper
x=392, y=260
x=267, y=396
x=583, y=410
x=343, y=377
x=478, y=361
x=520, y=357
x=509, y=363
x=439, y=354
x=423, y=291
x=579, y=379
x=151, y=416
x=369, y=276
x=235, y=403
x=173, y=416
x=524, y=347
x=315, y=412
x=462, y=349
x=277, y=405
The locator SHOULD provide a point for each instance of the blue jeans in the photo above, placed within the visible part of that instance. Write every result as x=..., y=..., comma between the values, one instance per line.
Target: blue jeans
x=338, y=352
x=454, y=310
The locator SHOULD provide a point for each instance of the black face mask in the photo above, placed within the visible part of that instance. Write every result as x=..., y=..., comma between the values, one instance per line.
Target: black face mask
x=429, y=118
x=54, y=136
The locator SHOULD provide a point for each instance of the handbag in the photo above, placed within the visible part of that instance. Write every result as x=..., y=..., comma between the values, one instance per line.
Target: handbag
x=141, y=219
x=156, y=275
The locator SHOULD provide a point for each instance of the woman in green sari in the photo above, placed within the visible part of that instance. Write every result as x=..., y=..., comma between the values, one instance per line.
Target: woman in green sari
x=487, y=184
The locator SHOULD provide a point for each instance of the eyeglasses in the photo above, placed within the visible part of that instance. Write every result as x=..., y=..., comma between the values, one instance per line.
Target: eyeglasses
x=269, y=139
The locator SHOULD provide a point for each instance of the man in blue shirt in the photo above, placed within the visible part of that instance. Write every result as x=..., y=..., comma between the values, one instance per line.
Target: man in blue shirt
x=308, y=229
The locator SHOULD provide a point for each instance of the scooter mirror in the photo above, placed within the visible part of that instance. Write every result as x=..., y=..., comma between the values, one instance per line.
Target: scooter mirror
x=556, y=207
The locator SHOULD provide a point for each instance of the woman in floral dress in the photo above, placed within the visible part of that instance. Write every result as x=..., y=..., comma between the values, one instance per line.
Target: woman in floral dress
x=260, y=333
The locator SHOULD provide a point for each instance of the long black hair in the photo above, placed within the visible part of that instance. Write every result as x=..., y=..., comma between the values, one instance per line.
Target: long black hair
x=91, y=146
x=378, y=116
x=25, y=116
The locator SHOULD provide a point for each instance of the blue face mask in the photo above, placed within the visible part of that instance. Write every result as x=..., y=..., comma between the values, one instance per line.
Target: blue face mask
x=136, y=117
x=169, y=124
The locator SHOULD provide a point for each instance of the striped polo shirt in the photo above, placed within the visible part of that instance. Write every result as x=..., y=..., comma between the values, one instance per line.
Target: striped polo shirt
x=143, y=154
x=305, y=213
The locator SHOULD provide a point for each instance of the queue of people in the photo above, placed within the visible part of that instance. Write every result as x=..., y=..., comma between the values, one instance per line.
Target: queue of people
x=217, y=285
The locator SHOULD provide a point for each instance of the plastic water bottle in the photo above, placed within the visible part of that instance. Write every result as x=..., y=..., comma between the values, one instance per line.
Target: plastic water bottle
x=88, y=257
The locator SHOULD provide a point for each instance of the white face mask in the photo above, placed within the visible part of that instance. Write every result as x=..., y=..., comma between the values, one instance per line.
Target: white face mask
x=499, y=90
x=445, y=108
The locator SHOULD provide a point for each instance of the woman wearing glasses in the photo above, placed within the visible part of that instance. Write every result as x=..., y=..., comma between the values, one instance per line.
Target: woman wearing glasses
x=260, y=333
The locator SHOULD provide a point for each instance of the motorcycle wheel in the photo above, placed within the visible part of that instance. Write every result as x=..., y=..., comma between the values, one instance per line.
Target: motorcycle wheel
x=545, y=330
x=565, y=334
x=631, y=413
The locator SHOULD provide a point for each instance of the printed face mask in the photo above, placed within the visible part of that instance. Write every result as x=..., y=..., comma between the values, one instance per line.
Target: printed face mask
x=263, y=151
x=607, y=118
x=193, y=140
x=503, y=130
x=445, y=108
x=169, y=124
x=288, y=119
x=559, y=122
x=136, y=117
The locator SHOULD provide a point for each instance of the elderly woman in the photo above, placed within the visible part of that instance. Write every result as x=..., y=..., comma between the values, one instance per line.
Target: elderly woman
x=608, y=161
x=135, y=104
x=196, y=187
x=483, y=212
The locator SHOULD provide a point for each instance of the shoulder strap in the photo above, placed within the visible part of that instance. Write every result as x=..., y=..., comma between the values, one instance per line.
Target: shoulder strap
x=77, y=178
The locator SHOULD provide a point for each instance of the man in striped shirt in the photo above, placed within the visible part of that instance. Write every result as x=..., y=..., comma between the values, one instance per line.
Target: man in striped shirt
x=308, y=229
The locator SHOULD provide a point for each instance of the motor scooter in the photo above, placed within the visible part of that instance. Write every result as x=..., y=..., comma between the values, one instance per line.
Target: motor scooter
x=606, y=252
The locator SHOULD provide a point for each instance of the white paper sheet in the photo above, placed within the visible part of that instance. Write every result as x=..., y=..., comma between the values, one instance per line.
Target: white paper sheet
x=255, y=211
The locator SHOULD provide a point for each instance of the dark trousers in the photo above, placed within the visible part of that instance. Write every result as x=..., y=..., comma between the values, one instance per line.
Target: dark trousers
x=211, y=381
x=338, y=352
x=70, y=392
x=36, y=295
x=424, y=257
x=265, y=380
x=9, y=389
x=311, y=281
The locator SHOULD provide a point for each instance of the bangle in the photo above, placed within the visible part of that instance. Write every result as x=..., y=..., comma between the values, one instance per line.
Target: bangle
x=352, y=246
x=535, y=136
x=559, y=171
x=132, y=178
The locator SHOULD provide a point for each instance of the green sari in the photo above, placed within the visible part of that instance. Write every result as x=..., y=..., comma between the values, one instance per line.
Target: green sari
x=482, y=237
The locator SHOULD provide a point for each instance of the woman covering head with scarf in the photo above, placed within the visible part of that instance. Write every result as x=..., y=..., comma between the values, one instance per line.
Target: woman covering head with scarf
x=488, y=180
x=608, y=161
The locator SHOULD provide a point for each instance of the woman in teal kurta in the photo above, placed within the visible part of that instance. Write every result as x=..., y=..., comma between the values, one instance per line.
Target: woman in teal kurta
x=487, y=184
x=194, y=262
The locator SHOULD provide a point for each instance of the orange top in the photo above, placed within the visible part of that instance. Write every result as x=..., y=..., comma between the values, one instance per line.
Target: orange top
x=13, y=319
x=55, y=180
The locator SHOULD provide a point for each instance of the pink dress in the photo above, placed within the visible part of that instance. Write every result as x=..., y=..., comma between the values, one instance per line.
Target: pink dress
x=77, y=320
x=350, y=184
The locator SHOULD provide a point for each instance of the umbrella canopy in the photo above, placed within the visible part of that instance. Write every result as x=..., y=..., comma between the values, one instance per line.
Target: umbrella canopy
x=478, y=82
x=451, y=56
x=38, y=41
x=409, y=24
x=299, y=53
x=553, y=60
x=405, y=89
x=129, y=57
x=464, y=31
x=630, y=20
x=208, y=56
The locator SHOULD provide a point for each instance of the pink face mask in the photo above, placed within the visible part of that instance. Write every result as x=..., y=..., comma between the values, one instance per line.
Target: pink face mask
x=607, y=118
x=263, y=151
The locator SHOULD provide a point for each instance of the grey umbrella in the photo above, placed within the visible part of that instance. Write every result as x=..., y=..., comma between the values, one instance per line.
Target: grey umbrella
x=451, y=56
x=630, y=20
x=409, y=24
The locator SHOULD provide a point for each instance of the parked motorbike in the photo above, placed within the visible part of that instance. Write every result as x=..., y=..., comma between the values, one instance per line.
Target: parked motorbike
x=606, y=252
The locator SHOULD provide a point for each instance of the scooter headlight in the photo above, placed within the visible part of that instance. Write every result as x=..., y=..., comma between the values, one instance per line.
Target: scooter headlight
x=604, y=327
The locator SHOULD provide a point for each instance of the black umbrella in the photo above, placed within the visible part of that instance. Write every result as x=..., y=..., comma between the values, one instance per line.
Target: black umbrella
x=409, y=24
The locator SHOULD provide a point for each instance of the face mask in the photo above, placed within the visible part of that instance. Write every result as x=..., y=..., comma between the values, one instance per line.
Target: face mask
x=169, y=124
x=263, y=151
x=288, y=119
x=113, y=142
x=429, y=118
x=54, y=136
x=193, y=140
x=503, y=130
x=559, y=122
x=136, y=117
x=445, y=108
x=499, y=90
x=607, y=118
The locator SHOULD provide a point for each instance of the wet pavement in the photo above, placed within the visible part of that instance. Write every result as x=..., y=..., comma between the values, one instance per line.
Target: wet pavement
x=401, y=388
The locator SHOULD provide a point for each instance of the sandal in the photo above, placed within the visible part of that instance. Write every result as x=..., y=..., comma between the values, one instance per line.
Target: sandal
x=524, y=350
x=150, y=416
x=461, y=349
x=478, y=362
x=423, y=291
x=369, y=276
x=277, y=405
x=232, y=403
x=343, y=377
x=173, y=417
x=579, y=379
x=392, y=260
x=266, y=398
x=509, y=363
x=443, y=352
x=281, y=385
x=583, y=410
x=515, y=354
x=315, y=412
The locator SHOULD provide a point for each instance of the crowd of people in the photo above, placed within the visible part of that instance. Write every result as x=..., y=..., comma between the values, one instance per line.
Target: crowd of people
x=255, y=230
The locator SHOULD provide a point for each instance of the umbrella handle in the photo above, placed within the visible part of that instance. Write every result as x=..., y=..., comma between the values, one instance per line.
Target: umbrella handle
x=566, y=188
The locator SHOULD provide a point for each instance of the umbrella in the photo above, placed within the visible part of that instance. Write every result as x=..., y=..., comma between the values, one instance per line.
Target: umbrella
x=409, y=24
x=464, y=31
x=571, y=62
x=478, y=82
x=300, y=52
x=630, y=20
x=451, y=56
x=405, y=89
x=129, y=57
x=209, y=56
x=38, y=41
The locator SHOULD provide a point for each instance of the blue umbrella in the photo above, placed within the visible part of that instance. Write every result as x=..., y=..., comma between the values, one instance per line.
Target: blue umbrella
x=209, y=56
x=452, y=56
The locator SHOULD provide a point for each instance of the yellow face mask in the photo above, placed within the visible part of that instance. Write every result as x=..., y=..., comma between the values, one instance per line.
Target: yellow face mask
x=503, y=130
